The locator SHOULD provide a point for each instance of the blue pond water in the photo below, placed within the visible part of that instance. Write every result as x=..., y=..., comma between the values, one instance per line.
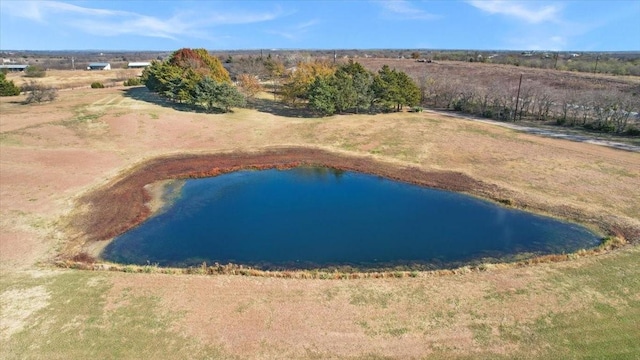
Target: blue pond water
x=319, y=218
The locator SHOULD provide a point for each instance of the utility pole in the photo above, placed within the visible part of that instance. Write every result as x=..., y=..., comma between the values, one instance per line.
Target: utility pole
x=515, y=114
x=555, y=65
x=595, y=68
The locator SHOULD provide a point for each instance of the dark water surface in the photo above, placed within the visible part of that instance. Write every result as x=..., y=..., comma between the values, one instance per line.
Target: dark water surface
x=319, y=217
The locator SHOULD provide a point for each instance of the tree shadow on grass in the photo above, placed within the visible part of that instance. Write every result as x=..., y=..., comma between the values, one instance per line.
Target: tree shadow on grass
x=143, y=94
x=278, y=108
x=263, y=105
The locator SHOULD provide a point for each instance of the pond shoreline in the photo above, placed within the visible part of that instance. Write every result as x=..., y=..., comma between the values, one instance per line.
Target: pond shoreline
x=135, y=195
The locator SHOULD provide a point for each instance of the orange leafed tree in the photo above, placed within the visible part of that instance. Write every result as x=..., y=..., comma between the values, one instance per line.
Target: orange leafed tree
x=201, y=62
x=249, y=85
x=302, y=77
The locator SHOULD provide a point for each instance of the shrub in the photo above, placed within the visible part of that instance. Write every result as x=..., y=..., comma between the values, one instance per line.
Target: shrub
x=417, y=109
x=488, y=113
x=97, y=85
x=84, y=257
x=611, y=242
x=37, y=93
x=134, y=81
x=35, y=71
x=633, y=131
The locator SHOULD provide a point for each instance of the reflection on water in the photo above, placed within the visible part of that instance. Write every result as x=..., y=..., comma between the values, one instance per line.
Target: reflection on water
x=311, y=217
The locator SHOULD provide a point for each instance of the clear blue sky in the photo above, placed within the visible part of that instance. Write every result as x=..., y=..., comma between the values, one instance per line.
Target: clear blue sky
x=588, y=25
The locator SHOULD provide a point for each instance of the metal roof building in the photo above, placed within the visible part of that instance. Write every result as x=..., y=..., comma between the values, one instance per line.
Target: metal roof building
x=139, y=64
x=14, y=67
x=99, y=66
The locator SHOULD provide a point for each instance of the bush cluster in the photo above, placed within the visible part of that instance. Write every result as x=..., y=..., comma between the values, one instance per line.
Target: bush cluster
x=97, y=85
x=35, y=71
x=134, y=81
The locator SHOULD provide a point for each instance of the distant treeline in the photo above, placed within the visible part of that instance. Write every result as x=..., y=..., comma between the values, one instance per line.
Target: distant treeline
x=615, y=63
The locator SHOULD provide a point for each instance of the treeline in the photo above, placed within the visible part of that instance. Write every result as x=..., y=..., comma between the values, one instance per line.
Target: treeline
x=194, y=77
x=601, y=63
x=601, y=110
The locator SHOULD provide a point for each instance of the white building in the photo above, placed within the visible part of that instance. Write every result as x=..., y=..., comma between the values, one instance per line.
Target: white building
x=138, y=65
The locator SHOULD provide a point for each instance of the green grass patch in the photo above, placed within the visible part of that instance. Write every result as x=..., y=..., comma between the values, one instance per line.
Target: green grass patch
x=9, y=140
x=609, y=326
x=361, y=296
x=84, y=117
x=76, y=324
x=481, y=333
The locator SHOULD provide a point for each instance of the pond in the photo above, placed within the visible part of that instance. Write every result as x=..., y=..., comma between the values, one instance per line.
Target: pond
x=314, y=217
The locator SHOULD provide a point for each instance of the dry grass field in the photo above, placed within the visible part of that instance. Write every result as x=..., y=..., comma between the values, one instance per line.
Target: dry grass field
x=66, y=79
x=53, y=154
x=507, y=75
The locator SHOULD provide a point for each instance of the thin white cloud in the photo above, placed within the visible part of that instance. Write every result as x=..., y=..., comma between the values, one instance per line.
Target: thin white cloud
x=285, y=34
x=24, y=9
x=406, y=10
x=307, y=24
x=527, y=11
x=39, y=10
x=107, y=22
x=295, y=32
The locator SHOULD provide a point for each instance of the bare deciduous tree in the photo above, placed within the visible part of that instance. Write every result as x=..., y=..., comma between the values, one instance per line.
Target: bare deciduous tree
x=38, y=92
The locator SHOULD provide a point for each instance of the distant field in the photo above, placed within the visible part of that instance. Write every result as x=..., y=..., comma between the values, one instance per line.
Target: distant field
x=475, y=73
x=65, y=79
x=52, y=154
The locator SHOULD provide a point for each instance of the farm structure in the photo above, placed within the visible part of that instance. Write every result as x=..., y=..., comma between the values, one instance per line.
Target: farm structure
x=138, y=65
x=13, y=67
x=99, y=66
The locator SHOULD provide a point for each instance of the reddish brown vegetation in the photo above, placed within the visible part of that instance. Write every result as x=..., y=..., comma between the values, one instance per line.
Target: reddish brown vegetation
x=84, y=258
x=120, y=205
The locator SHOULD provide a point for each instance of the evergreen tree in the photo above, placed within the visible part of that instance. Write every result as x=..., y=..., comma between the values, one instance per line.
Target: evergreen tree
x=7, y=87
x=322, y=96
x=394, y=89
x=361, y=82
x=216, y=95
x=409, y=91
x=385, y=88
x=345, y=95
